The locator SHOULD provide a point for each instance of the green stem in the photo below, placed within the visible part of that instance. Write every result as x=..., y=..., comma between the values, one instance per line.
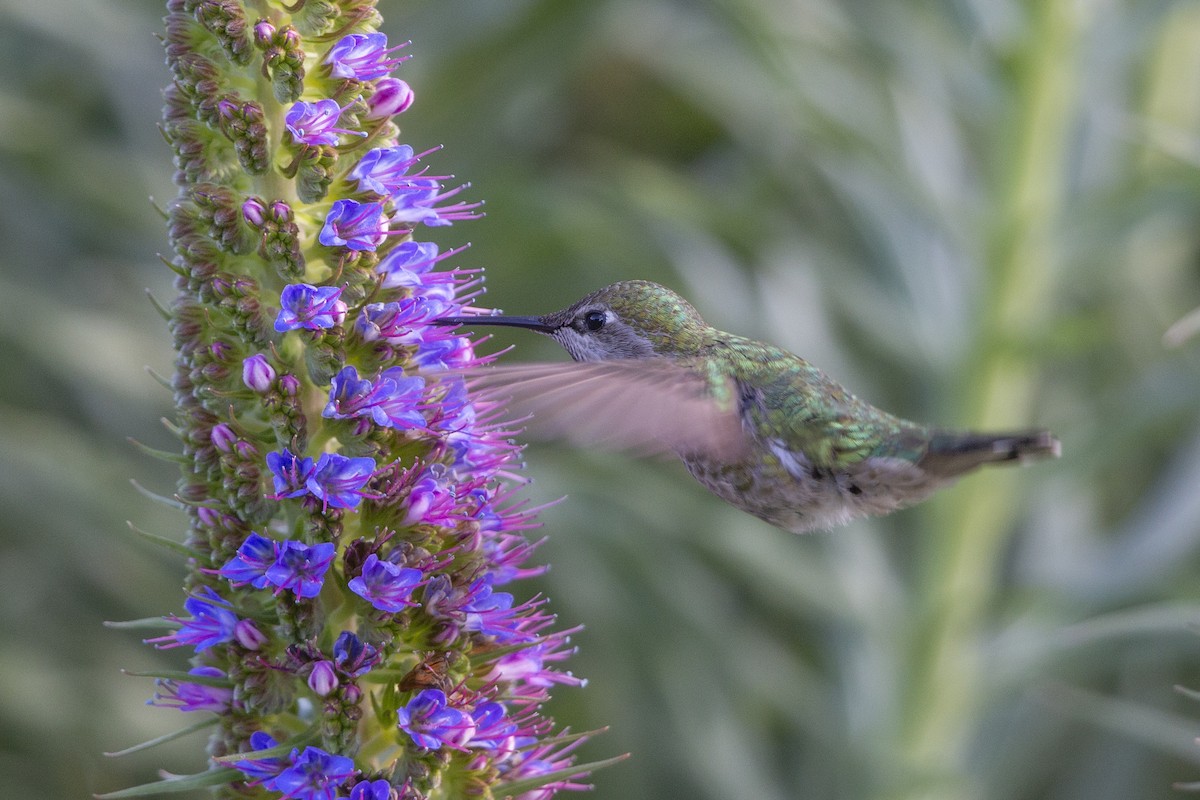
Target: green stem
x=971, y=524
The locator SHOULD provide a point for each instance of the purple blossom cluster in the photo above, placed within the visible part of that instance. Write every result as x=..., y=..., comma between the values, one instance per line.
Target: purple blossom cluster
x=353, y=507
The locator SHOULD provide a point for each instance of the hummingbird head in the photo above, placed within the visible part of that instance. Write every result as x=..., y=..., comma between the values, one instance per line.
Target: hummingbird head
x=631, y=319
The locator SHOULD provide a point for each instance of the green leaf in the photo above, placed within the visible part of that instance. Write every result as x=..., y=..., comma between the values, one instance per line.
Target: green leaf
x=161, y=455
x=143, y=624
x=159, y=307
x=184, y=677
x=162, y=541
x=171, y=502
x=167, y=737
x=176, y=784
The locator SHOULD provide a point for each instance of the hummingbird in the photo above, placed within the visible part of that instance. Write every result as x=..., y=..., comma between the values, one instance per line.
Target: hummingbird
x=758, y=426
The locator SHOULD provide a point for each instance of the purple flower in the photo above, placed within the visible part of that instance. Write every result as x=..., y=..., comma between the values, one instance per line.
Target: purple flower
x=260, y=770
x=542, y=760
x=527, y=665
x=363, y=57
x=316, y=123
x=338, y=481
x=354, y=225
x=257, y=373
x=384, y=170
x=290, y=473
x=385, y=585
x=506, y=552
x=301, y=568
x=252, y=561
x=371, y=790
x=488, y=612
x=212, y=623
x=401, y=322
x=352, y=655
x=432, y=724
x=416, y=202
x=390, y=400
x=314, y=775
x=391, y=96
x=408, y=265
x=310, y=307
x=496, y=732
x=445, y=354
x=429, y=501
x=193, y=696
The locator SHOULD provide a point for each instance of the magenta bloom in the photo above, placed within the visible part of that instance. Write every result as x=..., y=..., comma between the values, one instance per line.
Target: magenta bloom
x=363, y=57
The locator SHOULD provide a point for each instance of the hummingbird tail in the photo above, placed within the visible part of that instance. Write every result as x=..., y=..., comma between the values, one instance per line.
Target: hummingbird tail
x=951, y=454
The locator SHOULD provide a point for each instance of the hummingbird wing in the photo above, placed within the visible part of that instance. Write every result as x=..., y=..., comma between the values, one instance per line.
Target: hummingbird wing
x=648, y=406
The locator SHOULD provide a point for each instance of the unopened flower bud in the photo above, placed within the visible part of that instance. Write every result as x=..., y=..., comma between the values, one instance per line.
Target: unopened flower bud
x=248, y=635
x=223, y=437
x=392, y=96
x=264, y=33
x=258, y=374
x=254, y=212
x=323, y=679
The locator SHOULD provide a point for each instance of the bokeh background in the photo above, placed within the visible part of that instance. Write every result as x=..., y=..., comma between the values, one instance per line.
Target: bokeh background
x=980, y=212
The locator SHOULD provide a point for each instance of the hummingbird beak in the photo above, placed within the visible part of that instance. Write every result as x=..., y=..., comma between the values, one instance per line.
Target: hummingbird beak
x=529, y=323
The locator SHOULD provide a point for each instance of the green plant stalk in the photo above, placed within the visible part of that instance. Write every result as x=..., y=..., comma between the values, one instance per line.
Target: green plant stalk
x=949, y=685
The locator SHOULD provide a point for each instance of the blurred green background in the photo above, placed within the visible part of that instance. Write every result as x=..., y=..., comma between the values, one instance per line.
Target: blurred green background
x=979, y=212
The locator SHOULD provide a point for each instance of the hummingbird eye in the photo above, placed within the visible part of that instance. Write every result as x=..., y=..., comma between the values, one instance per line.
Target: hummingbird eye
x=594, y=320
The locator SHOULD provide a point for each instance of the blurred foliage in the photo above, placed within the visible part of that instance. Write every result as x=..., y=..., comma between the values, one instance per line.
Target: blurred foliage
x=979, y=212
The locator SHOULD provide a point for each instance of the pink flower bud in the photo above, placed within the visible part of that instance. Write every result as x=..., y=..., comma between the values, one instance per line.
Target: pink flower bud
x=223, y=437
x=323, y=680
x=258, y=374
x=249, y=636
x=254, y=212
x=392, y=96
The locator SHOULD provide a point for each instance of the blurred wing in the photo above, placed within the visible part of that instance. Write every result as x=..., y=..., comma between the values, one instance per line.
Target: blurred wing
x=646, y=406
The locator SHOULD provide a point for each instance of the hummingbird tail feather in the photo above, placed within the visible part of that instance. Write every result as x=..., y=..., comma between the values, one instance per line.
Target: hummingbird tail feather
x=951, y=454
